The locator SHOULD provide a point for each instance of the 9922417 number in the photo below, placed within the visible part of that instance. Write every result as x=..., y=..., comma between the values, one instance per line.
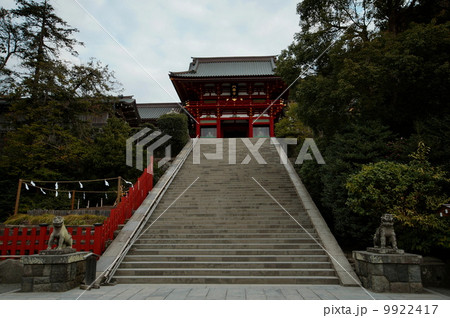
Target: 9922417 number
x=410, y=309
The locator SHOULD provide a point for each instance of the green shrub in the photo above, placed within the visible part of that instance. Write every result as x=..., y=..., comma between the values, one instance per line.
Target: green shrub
x=411, y=192
x=290, y=126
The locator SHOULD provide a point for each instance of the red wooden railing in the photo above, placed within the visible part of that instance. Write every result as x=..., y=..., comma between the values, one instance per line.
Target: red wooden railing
x=27, y=240
x=125, y=208
x=30, y=239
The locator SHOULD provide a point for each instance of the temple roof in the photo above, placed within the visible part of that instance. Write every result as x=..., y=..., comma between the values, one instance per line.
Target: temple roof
x=229, y=66
x=156, y=110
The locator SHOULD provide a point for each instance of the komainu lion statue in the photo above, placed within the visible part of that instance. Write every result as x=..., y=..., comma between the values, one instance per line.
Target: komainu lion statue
x=60, y=234
x=385, y=233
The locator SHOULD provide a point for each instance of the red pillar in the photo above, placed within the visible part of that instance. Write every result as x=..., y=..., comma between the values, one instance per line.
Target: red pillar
x=42, y=236
x=219, y=130
x=272, y=134
x=250, y=127
x=197, y=128
x=98, y=238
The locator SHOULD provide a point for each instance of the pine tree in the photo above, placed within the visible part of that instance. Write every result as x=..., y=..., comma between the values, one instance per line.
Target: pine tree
x=46, y=35
x=52, y=102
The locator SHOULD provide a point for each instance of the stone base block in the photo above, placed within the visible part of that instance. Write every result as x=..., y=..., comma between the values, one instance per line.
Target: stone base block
x=395, y=273
x=62, y=251
x=53, y=272
x=385, y=250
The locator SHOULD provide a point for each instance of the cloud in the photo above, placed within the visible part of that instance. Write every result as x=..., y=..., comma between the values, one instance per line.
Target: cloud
x=163, y=35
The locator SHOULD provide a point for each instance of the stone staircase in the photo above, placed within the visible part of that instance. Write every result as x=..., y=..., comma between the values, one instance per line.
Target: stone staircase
x=216, y=224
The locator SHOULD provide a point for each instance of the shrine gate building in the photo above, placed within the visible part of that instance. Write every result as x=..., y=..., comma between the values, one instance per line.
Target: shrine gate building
x=232, y=96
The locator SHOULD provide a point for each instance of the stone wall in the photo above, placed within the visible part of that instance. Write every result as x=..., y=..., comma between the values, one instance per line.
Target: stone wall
x=435, y=272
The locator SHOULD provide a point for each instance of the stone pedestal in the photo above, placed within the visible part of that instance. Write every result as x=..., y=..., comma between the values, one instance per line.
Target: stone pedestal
x=395, y=273
x=53, y=270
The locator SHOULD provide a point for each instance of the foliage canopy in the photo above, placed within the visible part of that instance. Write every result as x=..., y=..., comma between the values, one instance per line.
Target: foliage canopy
x=374, y=82
x=411, y=192
x=52, y=107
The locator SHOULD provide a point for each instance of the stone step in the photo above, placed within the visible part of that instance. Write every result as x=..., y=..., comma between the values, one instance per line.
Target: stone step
x=231, y=197
x=252, y=189
x=229, y=224
x=235, y=226
x=229, y=251
x=229, y=181
x=153, y=229
x=324, y=280
x=181, y=209
x=235, y=245
x=226, y=258
x=218, y=242
x=229, y=237
x=193, y=264
x=187, y=212
x=251, y=193
x=231, y=202
x=251, y=184
x=224, y=272
x=174, y=215
x=244, y=209
x=241, y=210
x=169, y=218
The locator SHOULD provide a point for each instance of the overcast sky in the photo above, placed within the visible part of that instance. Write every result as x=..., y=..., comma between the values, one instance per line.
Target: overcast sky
x=163, y=35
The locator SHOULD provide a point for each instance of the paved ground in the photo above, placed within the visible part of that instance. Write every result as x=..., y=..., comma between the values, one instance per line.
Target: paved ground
x=220, y=292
